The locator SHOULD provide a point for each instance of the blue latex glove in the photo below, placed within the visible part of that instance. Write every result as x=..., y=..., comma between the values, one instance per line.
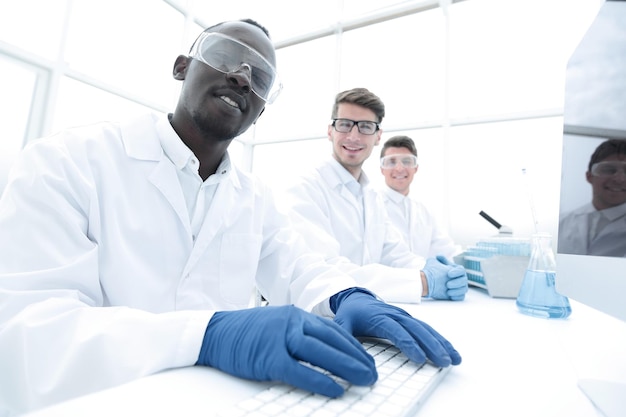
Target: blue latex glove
x=267, y=343
x=446, y=280
x=361, y=314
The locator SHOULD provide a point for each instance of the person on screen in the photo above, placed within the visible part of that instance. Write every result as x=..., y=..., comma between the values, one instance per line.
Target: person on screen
x=135, y=247
x=340, y=215
x=419, y=227
x=599, y=227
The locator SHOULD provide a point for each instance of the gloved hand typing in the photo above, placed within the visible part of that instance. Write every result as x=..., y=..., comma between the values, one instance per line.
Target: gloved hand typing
x=446, y=280
x=361, y=314
x=267, y=343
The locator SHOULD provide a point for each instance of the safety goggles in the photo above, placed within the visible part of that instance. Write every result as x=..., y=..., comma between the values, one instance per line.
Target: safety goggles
x=365, y=127
x=608, y=168
x=226, y=55
x=392, y=161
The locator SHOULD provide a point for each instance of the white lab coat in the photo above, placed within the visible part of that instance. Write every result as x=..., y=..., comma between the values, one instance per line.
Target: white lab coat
x=100, y=280
x=610, y=240
x=418, y=226
x=332, y=221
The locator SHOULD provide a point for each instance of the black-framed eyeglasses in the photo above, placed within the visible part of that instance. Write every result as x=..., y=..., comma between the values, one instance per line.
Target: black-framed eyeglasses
x=365, y=127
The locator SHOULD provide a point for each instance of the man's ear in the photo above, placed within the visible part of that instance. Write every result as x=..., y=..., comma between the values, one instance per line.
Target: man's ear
x=180, y=67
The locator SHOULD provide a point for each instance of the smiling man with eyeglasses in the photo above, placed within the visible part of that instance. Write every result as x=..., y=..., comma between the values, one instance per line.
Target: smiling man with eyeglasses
x=355, y=129
x=599, y=227
x=341, y=216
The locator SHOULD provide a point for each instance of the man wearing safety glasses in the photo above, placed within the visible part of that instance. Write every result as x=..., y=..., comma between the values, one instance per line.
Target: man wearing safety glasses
x=419, y=227
x=131, y=248
x=339, y=214
x=599, y=227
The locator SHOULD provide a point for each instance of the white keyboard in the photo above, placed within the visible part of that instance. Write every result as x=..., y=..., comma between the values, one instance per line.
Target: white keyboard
x=401, y=388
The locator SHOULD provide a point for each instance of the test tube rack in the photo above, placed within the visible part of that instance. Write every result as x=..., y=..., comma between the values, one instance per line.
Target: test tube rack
x=497, y=265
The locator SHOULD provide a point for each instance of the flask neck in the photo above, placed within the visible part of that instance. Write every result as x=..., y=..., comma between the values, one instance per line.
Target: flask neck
x=542, y=256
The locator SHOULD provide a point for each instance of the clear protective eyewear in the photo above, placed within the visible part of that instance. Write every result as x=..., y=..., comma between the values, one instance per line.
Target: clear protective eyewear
x=226, y=54
x=391, y=161
x=365, y=127
x=608, y=168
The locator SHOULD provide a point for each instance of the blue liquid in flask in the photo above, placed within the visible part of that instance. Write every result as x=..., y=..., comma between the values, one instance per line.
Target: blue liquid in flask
x=538, y=297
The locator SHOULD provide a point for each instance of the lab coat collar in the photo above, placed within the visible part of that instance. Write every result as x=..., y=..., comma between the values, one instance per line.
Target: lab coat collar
x=611, y=214
x=344, y=177
x=614, y=213
x=141, y=145
x=586, y=209
x=393, y=195
x=174, y=148
x=140, y=137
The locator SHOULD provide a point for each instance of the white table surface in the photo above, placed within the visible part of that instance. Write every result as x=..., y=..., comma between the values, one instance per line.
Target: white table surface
x=513, y=365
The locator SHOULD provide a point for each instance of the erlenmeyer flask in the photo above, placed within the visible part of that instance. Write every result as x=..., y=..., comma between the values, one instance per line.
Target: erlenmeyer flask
x=537, y=296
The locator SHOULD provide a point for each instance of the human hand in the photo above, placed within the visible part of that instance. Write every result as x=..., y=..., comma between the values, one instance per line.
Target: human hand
x=267, y=343
x=361, y=314
x=446, y=280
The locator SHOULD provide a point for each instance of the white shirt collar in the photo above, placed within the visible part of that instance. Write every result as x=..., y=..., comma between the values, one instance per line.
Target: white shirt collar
x=345, y=176
x=180, y=155
x=613, y=213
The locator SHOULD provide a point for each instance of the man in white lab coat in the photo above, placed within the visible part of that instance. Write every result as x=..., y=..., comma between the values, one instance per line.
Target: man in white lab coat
x=419, y=227
x=341, y=216
x=599, y=227
x=127, y=249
